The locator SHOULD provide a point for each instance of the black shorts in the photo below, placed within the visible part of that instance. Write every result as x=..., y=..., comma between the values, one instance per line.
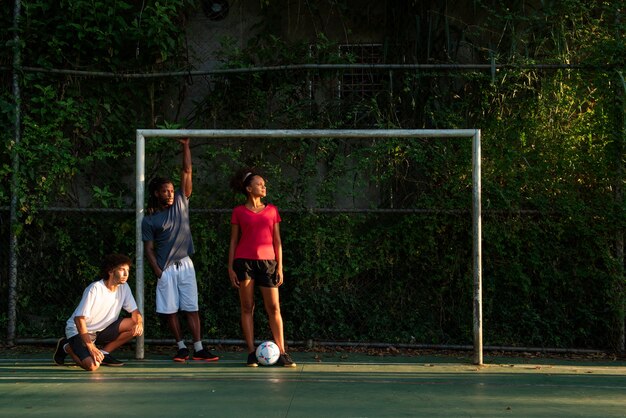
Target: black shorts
x=101, y=338
x=263, y=272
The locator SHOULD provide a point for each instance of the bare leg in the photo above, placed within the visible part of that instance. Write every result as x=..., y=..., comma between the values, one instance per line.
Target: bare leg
x=88, y=363
x=125, y=335
x=174, y=326
x=246, y=298
x=272, y=307
x=193, y=319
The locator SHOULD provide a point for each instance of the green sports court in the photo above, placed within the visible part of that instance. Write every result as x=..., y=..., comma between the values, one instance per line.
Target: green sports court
x=324, y=384
x=450, y=180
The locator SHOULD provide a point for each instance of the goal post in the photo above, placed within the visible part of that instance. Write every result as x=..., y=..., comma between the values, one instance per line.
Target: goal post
x=474, y=134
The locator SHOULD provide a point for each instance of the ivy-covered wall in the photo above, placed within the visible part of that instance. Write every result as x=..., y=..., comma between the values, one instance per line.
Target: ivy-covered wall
x=389, y=257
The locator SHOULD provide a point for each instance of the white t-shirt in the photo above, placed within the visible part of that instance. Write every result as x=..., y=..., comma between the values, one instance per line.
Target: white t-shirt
x=101, y=307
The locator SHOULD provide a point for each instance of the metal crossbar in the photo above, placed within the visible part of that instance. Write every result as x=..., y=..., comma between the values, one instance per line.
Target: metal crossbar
x=474, y=134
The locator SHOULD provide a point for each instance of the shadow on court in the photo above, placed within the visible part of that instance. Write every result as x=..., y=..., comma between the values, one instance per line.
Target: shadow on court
x=363, y=386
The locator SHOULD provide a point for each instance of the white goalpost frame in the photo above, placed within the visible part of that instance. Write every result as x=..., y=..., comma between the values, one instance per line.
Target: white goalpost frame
x=142, y=134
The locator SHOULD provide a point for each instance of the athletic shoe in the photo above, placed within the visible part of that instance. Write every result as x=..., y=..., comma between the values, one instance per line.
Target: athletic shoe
x=182, y=355
x=252, y=360
x=205, y=355
x=111, y=361
x=59, y=353
x=285, y=361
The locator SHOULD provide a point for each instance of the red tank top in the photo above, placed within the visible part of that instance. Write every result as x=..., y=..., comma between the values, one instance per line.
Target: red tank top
x=257, y=232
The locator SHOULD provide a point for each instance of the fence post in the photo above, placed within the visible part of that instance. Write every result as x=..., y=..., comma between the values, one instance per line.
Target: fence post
x=17, y=70
x=477, y=250
x=618, y=196
x=139, y=280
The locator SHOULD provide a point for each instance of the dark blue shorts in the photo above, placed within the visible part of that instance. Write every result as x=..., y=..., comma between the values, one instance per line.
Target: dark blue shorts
x=101, y=338
x=263, y=272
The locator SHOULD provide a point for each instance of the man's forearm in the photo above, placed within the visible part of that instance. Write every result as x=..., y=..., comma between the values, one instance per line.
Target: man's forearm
x=137, y=318
x=151, y=256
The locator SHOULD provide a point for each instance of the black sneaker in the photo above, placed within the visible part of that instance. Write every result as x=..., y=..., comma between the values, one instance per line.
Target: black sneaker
x=59, y=353
x=111, y=361
x=182, y=355
x=205, y=355
x=252, y=360
x=285, y=361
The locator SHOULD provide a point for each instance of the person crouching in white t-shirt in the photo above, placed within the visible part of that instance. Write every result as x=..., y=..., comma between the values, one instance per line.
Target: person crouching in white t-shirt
x=96, y=321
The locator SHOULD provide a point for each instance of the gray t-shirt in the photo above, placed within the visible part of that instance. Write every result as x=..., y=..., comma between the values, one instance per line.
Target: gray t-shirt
x=169, y=230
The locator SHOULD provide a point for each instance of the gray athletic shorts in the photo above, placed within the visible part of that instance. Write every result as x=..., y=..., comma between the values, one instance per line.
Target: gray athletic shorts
x=177, y=289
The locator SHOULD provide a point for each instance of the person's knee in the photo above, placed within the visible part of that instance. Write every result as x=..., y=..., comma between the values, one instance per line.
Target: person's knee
x=247, y=308
x=170, y=318
x=90, y=366
x=272, y=309
x=127, y=325
x=125, y=336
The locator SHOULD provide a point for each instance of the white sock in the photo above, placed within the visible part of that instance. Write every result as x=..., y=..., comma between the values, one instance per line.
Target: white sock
x=197, y=346
x=181, y=344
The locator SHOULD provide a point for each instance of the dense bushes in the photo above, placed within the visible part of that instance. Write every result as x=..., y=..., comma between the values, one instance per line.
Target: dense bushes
x=552, y=162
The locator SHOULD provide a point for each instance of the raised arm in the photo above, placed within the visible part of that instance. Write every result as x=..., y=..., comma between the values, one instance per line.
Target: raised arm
x=185, y=177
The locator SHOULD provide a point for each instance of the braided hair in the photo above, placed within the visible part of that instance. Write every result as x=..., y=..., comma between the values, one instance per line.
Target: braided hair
x=153, y=201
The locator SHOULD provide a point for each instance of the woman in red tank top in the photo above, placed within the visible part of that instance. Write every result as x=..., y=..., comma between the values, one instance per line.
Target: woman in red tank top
x=255, y=257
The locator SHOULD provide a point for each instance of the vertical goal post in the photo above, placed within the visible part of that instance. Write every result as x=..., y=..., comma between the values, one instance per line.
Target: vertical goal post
x=474, y=134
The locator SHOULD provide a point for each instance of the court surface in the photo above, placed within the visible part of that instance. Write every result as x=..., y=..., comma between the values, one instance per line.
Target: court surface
x=322, y=385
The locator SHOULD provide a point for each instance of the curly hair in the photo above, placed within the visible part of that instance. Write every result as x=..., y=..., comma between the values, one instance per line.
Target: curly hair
x=243, y=178
x=111, y=261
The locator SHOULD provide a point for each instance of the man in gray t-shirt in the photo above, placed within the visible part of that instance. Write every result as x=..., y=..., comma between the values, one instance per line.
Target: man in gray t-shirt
x=168, y=246
x=169, y=231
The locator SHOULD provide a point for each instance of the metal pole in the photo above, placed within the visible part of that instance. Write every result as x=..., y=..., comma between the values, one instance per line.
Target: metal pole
x=17, y=62
x=477, y=250
x=619, y=202
x=139, y=281
x=308, y=133
x=317, y=67
x=327, y=133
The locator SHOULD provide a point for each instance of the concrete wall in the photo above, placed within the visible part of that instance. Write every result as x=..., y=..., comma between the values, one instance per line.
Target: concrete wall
x=429, y=31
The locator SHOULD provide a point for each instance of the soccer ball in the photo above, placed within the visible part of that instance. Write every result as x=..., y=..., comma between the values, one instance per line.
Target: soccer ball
x=267, y=353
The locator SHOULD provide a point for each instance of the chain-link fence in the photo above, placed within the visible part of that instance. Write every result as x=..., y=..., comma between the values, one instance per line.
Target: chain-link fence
x=556, y=269
x=401, y=278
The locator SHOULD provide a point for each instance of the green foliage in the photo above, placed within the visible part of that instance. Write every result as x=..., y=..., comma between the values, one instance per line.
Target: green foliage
x=357, y=275
x=59, y=256
x=76, y=131
x=552, y=161
x=77, y=137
